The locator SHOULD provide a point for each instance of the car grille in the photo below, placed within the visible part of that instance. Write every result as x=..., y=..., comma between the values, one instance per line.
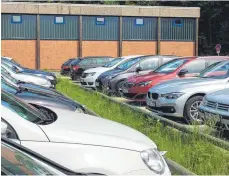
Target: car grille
x=153, y=95
x=84, y=75
x=219, y=106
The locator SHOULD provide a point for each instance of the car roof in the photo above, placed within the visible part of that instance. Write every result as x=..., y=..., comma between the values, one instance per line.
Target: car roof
x=87, y=57
x=213, y=57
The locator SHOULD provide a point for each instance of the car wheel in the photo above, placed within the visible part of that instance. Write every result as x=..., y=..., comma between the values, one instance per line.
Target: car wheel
x=191, y=110
x=119, y=92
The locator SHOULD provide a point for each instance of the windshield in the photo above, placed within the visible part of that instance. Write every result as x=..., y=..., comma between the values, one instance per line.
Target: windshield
x=113, y=62
x=24, y=110
x=8, y=87
x=13, y=69
x=128, y=64
x=171, y=66
x=9, y=77
x=219, y=70
x=17, y=162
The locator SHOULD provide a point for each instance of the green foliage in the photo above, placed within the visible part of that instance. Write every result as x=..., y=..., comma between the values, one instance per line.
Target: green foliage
x=189, y=150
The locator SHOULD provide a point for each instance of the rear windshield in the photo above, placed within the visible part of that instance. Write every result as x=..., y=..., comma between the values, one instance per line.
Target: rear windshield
x=113, y=62
x=75, y=62
x=171, y=66
x=128, y=64
x=68, y=62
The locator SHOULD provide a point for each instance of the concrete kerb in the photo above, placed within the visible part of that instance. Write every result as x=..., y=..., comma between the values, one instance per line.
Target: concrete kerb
x=216, y=141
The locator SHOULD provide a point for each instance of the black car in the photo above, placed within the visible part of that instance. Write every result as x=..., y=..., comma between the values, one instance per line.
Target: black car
x=78, y=67
x=65, y=67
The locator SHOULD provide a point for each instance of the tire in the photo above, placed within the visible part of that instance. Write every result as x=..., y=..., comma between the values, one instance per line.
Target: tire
x=118, y=86
x=191, y=110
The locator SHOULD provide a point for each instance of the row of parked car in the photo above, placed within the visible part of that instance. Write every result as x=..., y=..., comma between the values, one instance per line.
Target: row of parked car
x=168, y=85
x=45, y=132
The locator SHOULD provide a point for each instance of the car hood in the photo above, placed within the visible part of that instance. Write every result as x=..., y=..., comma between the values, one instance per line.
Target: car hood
x=40, y=89
x=111, y=72
x=178, y=85
x=26, y=70
x=145, y=77
x=90, y=130
x=97, y=70
x=219, y=96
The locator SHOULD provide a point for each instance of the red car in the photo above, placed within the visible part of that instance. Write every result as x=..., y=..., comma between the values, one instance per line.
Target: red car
x=136, y=87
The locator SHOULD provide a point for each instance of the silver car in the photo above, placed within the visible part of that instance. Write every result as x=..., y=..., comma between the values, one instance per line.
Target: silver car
x=26, y=77
x=216, y=106
x=182, y=97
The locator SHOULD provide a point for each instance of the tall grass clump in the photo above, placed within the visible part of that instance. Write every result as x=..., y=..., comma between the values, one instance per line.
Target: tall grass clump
x=189, y=150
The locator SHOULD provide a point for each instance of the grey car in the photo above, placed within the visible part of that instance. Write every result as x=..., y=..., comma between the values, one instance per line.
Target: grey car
x=216, y=106
x=143, y=64
x=40, y=98
x=182, y=97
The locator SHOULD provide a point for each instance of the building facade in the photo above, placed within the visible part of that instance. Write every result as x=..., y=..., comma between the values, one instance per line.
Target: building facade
x=43, y=36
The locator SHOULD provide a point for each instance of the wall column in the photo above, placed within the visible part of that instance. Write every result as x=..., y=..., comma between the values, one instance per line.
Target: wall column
x=120, y=37
x=197, y=34
x=38, y=43
x=80, y=35
x=158, y=35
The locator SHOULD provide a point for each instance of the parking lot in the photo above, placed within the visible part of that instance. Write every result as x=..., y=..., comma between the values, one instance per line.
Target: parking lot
x=112, y=90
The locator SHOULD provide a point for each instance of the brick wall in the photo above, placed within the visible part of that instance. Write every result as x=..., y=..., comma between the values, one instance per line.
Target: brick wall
x=53, y=53
x=178, y=48
x=100, y=48
x=138, y=47
x=23, y=51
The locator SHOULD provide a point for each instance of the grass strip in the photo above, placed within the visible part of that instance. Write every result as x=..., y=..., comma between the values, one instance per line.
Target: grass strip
x=191, y=151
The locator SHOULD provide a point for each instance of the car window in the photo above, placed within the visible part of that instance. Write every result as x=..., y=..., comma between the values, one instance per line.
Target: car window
x=171, y=66
x=149, y=64
x=195, y=66
x=24, y=110
x=19, y=163
x=76, y=61
x=8, y=87
x=101, y=60
x=216, y=71
x=113, y=62
x=128, y=64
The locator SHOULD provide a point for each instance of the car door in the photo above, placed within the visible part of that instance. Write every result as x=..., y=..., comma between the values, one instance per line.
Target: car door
x=148, y=65
x=194, y=67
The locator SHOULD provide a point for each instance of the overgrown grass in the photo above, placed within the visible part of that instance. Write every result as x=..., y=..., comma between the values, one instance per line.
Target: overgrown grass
x=191, y=151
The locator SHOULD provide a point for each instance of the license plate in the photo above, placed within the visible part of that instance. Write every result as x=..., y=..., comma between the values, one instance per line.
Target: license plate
x=96, y=83
x=125, y=90
x=151, y=103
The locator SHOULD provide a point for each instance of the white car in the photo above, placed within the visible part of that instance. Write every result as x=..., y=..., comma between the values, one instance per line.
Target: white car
x=26, y=77
x=89, y=76
x=80, y=142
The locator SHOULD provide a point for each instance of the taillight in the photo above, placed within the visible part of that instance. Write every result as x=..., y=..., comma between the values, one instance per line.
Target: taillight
x=75, y=67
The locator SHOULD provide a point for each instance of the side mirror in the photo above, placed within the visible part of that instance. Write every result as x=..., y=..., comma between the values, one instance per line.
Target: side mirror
x=182, y=72
x=3, y=128
x=138, y=69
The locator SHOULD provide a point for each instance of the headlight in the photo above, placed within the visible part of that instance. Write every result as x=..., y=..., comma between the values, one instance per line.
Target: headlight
x=50, y=77
x=92, y=73
x=153, y=159
x=172, y=95
x=143, y=84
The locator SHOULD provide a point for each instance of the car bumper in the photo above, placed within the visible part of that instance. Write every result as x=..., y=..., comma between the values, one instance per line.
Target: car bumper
x=207, y=113
x=172, y=107
x=88, y=82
